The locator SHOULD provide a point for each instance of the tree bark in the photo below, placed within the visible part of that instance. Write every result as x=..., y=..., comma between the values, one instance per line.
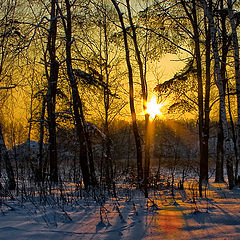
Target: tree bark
x=51, y=94
x=39, y=171
x=233, y=133
x=219, y=176
x=206, y=122
x=237, y=76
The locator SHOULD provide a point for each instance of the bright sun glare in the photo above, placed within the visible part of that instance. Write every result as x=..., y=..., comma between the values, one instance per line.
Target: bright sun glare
x=153, y=108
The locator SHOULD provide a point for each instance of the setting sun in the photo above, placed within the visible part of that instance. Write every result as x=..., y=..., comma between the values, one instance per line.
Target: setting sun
x=153, y=108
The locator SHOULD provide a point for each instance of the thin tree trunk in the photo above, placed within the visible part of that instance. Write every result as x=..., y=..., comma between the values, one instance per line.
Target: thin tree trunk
x=207, y=95
x=237, y=76
x=233, y=134
x=203, y=179
x=89, y=146
x=107, y=141
x=219, y=177
x=39, y=170
x=145, y=97
x=51, y=94
x=77, y=104
x=131, y=94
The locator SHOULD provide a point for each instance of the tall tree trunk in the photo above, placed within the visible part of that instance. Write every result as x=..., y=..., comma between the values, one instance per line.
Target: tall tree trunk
x=237, y=76
x=233, y=133
x=39, y=171
x=147, y=159
x=107, y=140
x=220, y=85
x=77, y=103
x=219, y=177
x=51, y=94
x=5, y=157
x=207, y=95
x=131, y=94
x=147, y=156
x=93, y=179
x=203, y=180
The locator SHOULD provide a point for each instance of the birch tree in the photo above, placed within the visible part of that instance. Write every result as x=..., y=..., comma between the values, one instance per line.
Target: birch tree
x=219, y=176
x=237, y=75
x=52, y=78
x=220, y=84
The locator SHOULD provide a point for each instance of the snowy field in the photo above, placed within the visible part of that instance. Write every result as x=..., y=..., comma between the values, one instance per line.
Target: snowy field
x=130, y=216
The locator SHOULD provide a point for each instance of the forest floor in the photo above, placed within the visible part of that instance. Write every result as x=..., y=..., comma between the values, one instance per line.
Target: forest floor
x=130, y=216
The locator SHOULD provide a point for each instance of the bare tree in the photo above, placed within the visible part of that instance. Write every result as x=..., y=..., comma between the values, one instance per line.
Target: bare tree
x=145, y=99
x=220, y=84
x=225, y=48
x=203, y=142
x=237, y=75
x=131, y=93
x=192, y=15
x=52, y=77
x=88, y=170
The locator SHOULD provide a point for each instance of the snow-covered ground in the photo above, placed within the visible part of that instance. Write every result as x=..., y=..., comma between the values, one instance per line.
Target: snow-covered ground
x=130, y=216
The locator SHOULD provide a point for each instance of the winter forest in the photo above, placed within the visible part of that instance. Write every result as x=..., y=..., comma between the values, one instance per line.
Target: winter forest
x=119, y=119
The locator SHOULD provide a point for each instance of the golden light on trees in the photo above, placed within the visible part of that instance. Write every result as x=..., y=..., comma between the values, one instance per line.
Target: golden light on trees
x=154, y=108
